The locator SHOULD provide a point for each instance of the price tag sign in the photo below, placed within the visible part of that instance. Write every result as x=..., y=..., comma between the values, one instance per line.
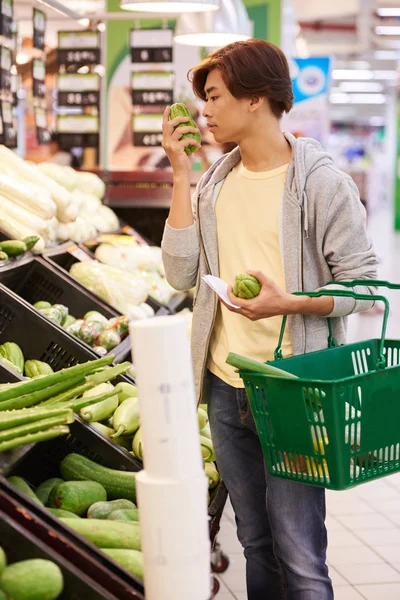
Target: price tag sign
x=147, y=130
x=6, y=18
x=42, y=132
x=39, y=76
x=152, y=88
x=39, y=29
x=78, y=253
x=151, y=45
x=78, y=48
x=9, y=130
x=5, y=68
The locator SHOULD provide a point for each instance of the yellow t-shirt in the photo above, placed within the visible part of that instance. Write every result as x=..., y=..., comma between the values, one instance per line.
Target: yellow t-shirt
x=247, y=212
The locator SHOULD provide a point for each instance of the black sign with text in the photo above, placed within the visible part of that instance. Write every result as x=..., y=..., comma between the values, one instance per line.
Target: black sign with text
x=83, y=56
x=78, y=98
x=39, y=29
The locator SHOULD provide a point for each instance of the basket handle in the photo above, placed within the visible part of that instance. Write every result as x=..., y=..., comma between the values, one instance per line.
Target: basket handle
x=381, y=364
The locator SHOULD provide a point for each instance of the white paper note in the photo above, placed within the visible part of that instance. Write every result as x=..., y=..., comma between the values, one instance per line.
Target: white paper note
x=220, y=288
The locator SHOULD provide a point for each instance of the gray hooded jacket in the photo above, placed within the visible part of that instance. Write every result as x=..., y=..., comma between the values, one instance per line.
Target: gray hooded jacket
x=322, y=235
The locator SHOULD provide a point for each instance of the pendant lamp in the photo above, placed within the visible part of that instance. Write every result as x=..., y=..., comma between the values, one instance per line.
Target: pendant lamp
x=169, y=6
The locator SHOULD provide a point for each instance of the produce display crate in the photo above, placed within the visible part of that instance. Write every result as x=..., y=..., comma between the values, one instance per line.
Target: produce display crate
x=20, y=544
x=41, y=462
x=64, y=256
x=179, y=301
x=37, y=279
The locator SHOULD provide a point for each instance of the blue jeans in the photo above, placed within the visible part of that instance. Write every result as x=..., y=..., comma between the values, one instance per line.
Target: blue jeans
x=280, y=523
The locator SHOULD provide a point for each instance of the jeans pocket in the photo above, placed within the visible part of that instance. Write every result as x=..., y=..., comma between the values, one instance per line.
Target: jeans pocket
x=243, y=404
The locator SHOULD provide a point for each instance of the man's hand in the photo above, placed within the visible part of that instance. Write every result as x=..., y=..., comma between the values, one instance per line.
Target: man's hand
x=272, y=301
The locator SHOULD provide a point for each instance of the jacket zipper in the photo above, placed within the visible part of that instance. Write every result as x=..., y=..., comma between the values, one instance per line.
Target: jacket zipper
x=302, y=274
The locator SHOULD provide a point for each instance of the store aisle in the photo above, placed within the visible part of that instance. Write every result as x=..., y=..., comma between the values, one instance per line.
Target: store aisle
x=363, y=523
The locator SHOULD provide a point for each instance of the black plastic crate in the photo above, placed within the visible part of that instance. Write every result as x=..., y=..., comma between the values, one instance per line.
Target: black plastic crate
x=38, y=337
x=179, y=301
x=20, y=544
x=36, y=280
x=65, y=255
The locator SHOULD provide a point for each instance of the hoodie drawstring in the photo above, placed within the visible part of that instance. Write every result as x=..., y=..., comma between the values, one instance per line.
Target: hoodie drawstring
x=305, y=208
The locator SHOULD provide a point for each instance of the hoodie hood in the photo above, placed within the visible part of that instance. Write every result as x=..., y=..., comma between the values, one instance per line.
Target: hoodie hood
x=308, y=156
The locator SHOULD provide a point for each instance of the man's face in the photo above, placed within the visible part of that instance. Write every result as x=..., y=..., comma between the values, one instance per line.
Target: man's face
x=227, y=116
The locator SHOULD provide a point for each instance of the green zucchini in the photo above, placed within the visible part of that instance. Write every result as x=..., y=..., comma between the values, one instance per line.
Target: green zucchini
x=100, y=411
x=126, y=390
x=62, y=514
x=44, y=489
x=13, y=247
x=3, y=560
x=35, y=368
x=103, y=429
x=23, y=487
x=77, y=496
x=181, y=110
x=101, y=510
x=118, y=484
x=137, y=445
x=34, y=579
x=107, y=534
x=248, y=364
x=126, y=419
x=13, y=353
x=124, y=514
x=131, y=560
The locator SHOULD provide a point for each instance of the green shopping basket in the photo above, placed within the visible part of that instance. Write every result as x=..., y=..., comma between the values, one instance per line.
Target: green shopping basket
x=338, y=424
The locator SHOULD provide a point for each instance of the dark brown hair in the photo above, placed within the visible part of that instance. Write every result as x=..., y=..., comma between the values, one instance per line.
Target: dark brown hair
x=250, y=68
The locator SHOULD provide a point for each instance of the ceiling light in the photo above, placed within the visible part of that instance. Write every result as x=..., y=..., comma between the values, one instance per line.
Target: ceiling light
x=360, y=86
x=352, y=74
x=84, y=21
x=387, y=30
x=170, y=6
x=357, y=98
x=386, y=54
x=386, y=75
x=101, y=27
x=213, y=30
x=388, y=12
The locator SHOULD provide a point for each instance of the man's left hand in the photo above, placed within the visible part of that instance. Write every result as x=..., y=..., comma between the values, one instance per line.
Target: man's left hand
x=270, y=302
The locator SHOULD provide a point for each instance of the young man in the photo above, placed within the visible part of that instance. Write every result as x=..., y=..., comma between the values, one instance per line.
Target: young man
x=278, y=207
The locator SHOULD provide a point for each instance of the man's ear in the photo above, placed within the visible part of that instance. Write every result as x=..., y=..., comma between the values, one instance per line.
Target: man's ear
x=256, y=102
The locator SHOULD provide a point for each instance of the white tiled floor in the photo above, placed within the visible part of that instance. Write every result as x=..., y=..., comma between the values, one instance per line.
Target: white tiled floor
x=363, y=523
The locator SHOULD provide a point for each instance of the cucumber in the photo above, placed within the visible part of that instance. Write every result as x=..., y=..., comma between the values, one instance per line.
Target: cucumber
x=23, y=487
x=131, y=560
x=101, y=510
x=124, y=514
x=103, y=429
x=77, y=496
x=118, y=484
x=62, y=514
x=3, y=560
x=41, y=304
x=45, y=488
x=13, y=247
x=34, y=368
x=107, y=534
x=137, y=445
x=101, y=410
x=207, y=449
x=126, y=419
x=34, y=579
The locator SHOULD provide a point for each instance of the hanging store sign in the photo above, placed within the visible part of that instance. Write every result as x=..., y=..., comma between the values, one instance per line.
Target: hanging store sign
x=6, y=18
x=39, y=29
x=39, y=78
x=9, y=129
x=147, y=129
x=42, y=132
x=152, y=88
x=151, y=45
x=78, y=48
x=78, y=131
x=5, y=68
x=78, y=89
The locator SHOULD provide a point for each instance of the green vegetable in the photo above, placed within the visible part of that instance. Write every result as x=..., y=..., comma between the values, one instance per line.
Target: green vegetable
x=69, y=321
x=35, y=368
x=42, y=425
x=63, y=310
x=3, y=255
x=9, y=365
x=23, y=487
x=14, y=418
x=126, y=390
x=75, y=327
x=13, y=353
x=118, y=484
x=34, y=579
x=246, y=286
x=102, y=388
x=26, y=400
x=126, y=419
x=103, y=429
x=109, y=339
x=77, y=496
x=100, y=350
x=101, y=410
x=124, y=441
x=181, y=110
x=207, y=449
x=62, y=514
x=31, y=241
x=124, y=514
x=202, y=417
x=206, y=431
x=131, y=560
x=137, y=445
x=120, y=325
x=107, y=534
x=87, y=333
x=41, y=304
x=248, y=364
x=32, y=438
x=53, y=314
x=45, y=488
x=94, y=315
x=13, y=247
x=101, y=510
x=3, y=560
x=97, y=326
x=212, y=475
